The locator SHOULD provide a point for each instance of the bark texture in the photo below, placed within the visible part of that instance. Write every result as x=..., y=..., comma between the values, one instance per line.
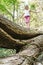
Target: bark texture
x=28, y=43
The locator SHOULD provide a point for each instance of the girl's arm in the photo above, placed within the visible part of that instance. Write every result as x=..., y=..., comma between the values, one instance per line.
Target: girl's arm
x=34, y=11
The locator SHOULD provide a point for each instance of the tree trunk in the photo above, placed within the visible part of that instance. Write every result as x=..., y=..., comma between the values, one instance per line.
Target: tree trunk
x=28, y=43
x=26, y=56
x=17, y=31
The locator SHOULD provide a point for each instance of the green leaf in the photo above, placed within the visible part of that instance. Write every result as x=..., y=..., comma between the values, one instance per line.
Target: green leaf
x=10, y=2
x=32, y=6
x=4, y=10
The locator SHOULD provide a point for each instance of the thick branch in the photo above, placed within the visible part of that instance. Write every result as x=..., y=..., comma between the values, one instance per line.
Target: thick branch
x=25, y=57
x=17, y=31
x=7, y=41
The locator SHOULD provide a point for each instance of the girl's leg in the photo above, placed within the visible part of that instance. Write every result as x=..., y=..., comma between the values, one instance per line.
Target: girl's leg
x=28, y=22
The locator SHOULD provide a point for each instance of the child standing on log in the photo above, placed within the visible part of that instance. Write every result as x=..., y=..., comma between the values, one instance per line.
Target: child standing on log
x=26, y=16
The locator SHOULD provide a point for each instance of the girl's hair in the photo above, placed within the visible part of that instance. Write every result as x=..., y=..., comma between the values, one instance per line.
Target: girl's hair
x=26, y=7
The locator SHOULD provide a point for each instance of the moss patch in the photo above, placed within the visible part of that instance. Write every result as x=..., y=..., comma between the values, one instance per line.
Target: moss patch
x=6, y=52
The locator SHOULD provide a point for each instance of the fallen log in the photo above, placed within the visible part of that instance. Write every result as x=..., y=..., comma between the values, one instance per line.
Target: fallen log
x=17, y=31
x=7, y=41
x=26, y=56
x=14, y=36
x=35, y=42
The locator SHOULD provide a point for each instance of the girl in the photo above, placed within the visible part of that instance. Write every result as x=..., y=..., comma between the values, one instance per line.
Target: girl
x=26, y=16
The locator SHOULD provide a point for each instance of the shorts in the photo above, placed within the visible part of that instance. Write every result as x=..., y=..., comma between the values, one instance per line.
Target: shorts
x=27, y=19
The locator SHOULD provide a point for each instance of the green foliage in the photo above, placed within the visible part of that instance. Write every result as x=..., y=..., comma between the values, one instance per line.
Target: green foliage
x=8, y=2
x=6, y=52
x=8, y=6
x=4, y=10
x=32, y=6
